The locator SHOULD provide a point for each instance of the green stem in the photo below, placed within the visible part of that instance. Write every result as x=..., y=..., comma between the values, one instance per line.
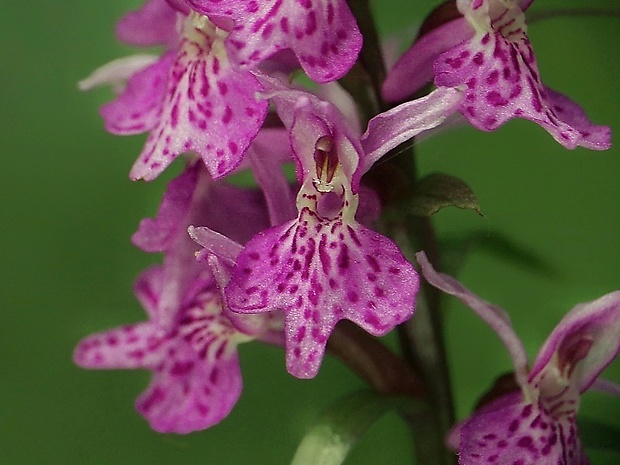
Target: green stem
x=422, y=336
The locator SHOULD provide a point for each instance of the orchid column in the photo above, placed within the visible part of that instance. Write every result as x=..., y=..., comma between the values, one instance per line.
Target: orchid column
x=327, y=231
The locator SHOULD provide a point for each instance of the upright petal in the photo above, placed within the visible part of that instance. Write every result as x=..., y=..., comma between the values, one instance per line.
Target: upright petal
x=415, y=68
x=493, y=315
x=389, y=129
x=581, y=346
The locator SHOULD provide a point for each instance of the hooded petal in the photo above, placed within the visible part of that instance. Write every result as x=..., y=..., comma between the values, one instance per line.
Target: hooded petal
x=323, y=34
x=581, y=346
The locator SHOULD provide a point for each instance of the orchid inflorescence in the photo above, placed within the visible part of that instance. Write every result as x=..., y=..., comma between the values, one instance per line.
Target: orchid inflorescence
x=285, y=261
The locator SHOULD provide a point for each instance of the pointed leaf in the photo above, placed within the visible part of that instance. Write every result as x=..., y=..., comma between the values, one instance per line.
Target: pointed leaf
x=456, y=250
x=439, y=190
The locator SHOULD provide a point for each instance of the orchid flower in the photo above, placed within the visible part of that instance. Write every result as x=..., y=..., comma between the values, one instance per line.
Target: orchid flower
x=487, y=53
x=323, y=265
x=190, y=100
x=323, y=34
x=536, y=425
x=190, y=339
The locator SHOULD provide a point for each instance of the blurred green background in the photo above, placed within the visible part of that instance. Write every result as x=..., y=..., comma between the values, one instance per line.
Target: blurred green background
x=67, y=266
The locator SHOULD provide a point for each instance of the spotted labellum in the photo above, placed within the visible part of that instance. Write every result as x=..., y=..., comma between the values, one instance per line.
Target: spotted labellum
x=537, y=425
x=196, y=376
x=323, y=34
x=190, y=100
x=190, y=340
x=488, y=54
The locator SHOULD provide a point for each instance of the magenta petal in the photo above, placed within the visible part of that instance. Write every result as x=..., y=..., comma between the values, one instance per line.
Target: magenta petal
x=153, y=24
x=132, y=346
x=582, y=344
x=219, y=126
x=209, y=108
x=581, y=132
x=158, y=234
x=117, y=72
x=511, y=431
x=137, y=109
x=415, y=68
x=493, y=315
x=148, y=288
x=318, y=274
x=502, y=82
x=393, y=127
x=324, y=34
x=187, y=394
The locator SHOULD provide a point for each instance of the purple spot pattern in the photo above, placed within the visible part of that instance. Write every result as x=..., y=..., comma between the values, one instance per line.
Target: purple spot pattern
x=498, y=71
x=190, y=101
x=137, y=109
x=319, y=271
x=196, y=376
x=323, y=34
x=511, y=431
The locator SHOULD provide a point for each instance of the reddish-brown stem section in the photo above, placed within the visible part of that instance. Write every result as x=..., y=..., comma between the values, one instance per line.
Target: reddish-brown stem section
x=367, y=356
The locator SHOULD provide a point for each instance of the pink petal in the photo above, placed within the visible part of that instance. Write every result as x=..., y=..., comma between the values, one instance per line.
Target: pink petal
x=209, y=108
x=511, y=431
x=323, y=34
x=197, y=380
x=415, y=68
x=153, y=24
x=158, y=234
x=502, y=81
x=493, y=315
x=148, y=288
x=582, y=344
x=132, y=346
x=188, y=395
x=393, y=127
x=320, y=273
x=268, y=173
x=137, y=109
